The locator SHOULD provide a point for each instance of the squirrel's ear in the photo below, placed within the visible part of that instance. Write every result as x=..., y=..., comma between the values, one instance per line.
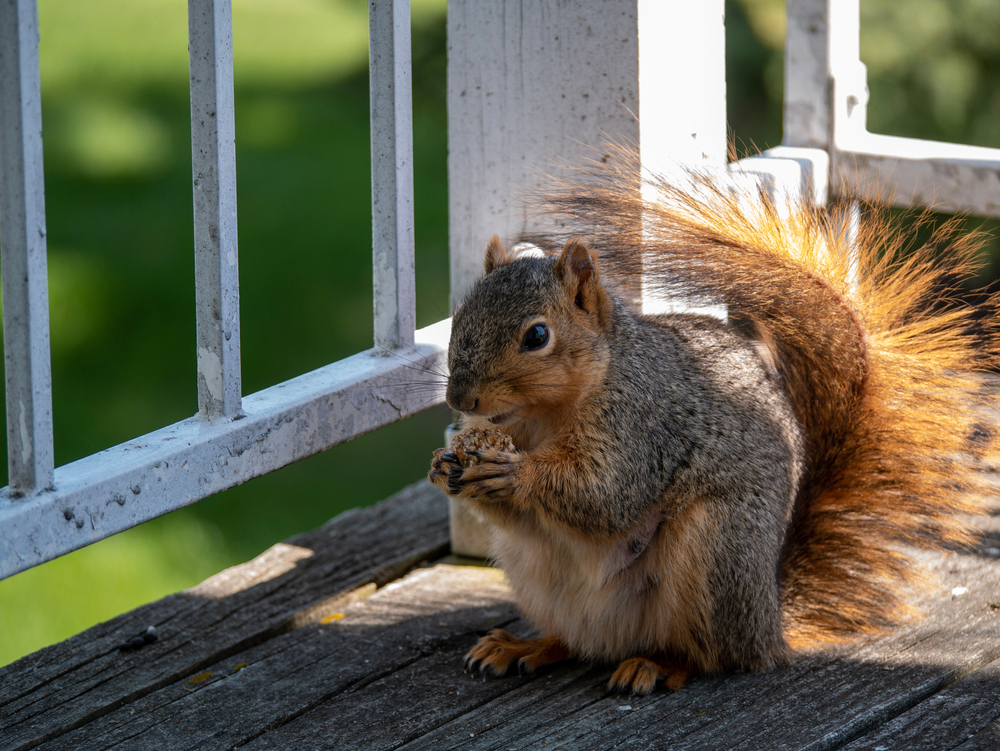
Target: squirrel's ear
x=577, y=265
x=496, y=254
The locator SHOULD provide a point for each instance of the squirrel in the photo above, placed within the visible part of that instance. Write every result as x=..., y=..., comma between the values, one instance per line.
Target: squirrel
x=691, y=496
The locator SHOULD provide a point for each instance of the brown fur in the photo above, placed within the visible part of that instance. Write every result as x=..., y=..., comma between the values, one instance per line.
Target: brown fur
x=609, y=611
x=681, y=496
x=886, y=394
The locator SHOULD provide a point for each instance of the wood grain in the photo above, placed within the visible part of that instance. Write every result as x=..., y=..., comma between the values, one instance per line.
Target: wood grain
x=821, y=701
x=317, y=644
x=71, y=684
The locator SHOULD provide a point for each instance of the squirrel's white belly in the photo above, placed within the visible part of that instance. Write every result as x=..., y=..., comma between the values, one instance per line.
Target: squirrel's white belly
x=611, y=600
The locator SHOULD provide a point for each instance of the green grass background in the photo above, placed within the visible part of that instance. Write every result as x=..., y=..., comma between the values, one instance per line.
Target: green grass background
x=117, y=159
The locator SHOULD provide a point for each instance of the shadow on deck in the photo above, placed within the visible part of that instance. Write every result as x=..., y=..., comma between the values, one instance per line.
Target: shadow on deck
x=350, y=637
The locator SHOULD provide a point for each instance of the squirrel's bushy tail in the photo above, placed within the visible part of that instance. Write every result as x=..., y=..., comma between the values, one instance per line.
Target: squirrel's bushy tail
x=885, y=375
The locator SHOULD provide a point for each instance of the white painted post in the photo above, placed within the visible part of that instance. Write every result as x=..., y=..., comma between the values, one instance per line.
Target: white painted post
x=848, y=75
x=807, y=113
x=682, y=83
x=213, y=155
x=534, y=86
x=25, y=282
x=682, y=107
x=392, y=173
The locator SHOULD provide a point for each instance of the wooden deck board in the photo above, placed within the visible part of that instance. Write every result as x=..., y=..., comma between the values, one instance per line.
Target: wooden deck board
x=75, y=683
x=965, y=715
x=298, y=650
x=818, y=702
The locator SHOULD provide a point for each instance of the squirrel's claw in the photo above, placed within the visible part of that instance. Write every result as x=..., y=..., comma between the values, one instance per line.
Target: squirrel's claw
x=639, y=675
x=491, y=480
x=498, y=652
x=491, y=655
x=455, y=483
x=474, y=664
x=444, y=469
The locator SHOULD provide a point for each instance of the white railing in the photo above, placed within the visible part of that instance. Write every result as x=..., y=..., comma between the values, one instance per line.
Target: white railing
x=47, y=511
x=531, y=85
x=826, y=97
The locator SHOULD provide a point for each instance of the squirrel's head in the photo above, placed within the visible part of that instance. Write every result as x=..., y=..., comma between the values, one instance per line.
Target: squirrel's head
x=530, y=337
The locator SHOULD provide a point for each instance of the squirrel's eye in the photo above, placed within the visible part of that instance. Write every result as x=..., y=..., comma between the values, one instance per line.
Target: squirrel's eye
x=536, y=337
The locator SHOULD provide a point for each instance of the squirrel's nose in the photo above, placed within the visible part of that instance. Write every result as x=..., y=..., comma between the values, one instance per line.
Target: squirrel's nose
x=461, y=397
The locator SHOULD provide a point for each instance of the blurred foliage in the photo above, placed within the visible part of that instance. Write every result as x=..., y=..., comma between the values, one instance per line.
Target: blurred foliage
x=117, y=156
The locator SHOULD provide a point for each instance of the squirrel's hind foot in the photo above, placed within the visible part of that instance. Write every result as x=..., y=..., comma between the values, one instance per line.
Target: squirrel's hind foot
x=498, y=652
x=639, y=675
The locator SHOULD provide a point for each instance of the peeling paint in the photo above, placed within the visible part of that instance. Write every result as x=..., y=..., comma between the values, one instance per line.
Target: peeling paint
x=160, y=470
x=210, y=368
x=385, y=399
x=25, y=435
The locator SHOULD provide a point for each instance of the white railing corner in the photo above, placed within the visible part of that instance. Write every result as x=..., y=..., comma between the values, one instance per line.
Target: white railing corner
x=826, y=99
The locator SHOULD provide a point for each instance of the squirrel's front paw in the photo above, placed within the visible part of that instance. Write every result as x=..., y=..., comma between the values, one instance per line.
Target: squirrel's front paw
x=445, y=461
x=493, y=478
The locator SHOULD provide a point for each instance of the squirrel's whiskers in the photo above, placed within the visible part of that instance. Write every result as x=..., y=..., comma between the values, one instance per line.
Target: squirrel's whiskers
x=433, y=383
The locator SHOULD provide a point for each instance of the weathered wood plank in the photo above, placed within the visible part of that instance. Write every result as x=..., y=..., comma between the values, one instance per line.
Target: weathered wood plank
x=321, y=674
x=383, y=670
x=820, y=702
x=431, y=691
x=387, y=675
x=966, y=716
x=71, y=684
